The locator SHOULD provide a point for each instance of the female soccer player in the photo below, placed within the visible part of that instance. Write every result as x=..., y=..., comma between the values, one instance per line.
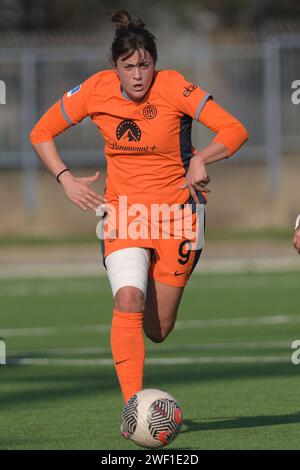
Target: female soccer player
x=145, y=117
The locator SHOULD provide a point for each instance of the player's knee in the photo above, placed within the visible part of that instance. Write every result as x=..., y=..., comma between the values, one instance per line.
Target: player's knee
x=159, y=336
x=129, y=299
x=155, y=338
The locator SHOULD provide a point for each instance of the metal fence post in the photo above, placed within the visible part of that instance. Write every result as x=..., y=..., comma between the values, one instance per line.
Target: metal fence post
x=272, y=114
x=28, y=108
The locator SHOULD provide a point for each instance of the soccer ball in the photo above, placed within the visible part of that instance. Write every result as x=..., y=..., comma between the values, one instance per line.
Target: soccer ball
x=151, y=418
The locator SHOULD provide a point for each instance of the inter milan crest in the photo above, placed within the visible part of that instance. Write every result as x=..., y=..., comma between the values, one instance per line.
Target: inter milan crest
x=150, y=111
x=128, y=130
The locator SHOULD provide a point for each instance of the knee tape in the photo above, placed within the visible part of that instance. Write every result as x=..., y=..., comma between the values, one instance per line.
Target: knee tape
x=128, y=267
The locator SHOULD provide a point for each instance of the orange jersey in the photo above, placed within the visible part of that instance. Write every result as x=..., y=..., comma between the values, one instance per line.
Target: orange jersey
x=147, y=143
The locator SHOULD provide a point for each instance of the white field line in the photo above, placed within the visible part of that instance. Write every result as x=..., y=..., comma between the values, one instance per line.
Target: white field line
x=53, y=331
x=230, y=322
x=254, y=264
x=53, y=288
x=180, y=325
x=26, y=287
x=158, y=361
x=248, y=345
x=260, y=282
x=48, y=269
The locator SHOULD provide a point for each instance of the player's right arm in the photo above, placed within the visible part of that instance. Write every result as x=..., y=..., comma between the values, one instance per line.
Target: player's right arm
x=70, y=110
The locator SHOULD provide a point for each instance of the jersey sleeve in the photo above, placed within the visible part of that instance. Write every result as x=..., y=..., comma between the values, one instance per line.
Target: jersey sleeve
x=229, y=130
x=71, y=109
x=187, y=97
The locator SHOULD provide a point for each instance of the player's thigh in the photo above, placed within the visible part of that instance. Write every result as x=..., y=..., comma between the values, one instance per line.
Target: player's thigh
x=161, y=308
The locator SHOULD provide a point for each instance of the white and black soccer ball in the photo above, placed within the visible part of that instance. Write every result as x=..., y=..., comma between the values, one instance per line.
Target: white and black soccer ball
x=151, y=418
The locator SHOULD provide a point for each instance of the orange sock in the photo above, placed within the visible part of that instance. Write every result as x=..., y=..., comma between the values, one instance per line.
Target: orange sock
x=128, y=350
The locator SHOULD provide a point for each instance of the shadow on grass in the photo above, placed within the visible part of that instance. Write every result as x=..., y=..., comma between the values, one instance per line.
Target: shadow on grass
x=33, y=384
x=240, y=422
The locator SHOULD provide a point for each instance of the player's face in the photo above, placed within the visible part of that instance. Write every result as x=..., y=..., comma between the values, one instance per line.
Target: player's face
x=136, y=74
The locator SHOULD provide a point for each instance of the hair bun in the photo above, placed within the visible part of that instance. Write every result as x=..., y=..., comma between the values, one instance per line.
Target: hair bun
x=122, y=19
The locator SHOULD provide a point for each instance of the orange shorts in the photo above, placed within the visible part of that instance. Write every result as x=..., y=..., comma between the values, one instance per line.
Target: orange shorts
x=175, y=243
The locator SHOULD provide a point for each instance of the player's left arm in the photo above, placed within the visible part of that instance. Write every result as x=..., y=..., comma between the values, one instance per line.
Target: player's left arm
x=229, y=131
x=230, y=136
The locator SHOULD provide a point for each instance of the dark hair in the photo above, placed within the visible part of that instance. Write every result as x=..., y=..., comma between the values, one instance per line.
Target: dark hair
x=131, y=36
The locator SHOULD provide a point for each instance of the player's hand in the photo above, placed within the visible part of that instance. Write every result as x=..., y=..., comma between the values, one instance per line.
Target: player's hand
x=296, y=240
x=196, y=177
x=79, y=192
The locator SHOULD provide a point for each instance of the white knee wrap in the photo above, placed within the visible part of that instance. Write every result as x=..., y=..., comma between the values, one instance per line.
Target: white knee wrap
x=128, y=267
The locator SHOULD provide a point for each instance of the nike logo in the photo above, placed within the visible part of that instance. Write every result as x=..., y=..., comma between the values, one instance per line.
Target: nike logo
x=179, y=274
x=120, y=362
